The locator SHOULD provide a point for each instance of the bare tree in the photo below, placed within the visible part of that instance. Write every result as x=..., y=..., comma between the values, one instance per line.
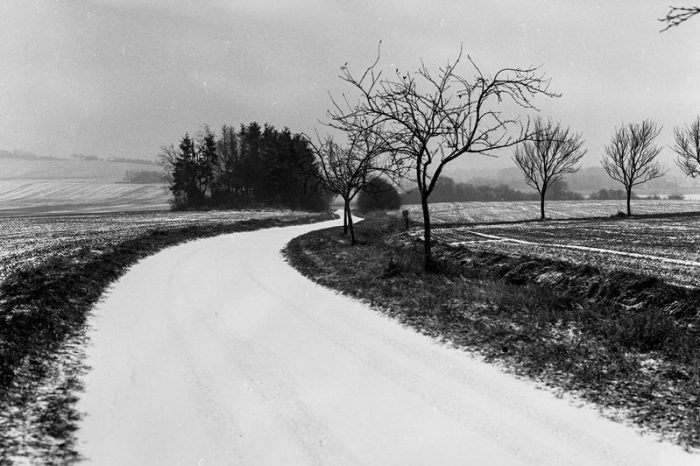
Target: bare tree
x=677, y=15
x=346, y=171
x=687, y=147
x=552, y=153
x=166, y=159
x=434, y=118
x=629, y=158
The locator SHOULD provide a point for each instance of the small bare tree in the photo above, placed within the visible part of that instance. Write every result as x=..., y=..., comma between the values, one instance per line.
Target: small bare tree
x=630, y=156
x=677, y=15
x=346, y=171
x=687, y=147
x=434, y=118
x=166, y=159
x=552, y=152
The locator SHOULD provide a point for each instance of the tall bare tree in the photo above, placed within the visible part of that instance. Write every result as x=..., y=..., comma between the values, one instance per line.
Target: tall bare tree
x=677, y=15
x=553, y=152
x=433, y=118
x=687, y=147
x=346, y=171
x=630, y=156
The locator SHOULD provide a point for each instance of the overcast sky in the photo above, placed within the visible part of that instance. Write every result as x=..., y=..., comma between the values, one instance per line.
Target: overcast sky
x=123, y=77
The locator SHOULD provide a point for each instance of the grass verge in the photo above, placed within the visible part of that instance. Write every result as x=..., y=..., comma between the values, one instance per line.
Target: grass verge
x=628, y=343
x=43, y=310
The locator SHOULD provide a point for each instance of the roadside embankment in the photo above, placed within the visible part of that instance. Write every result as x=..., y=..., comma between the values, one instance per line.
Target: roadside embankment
x=628, y=343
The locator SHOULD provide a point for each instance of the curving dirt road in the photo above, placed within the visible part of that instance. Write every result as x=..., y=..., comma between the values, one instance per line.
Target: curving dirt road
x=217, y=352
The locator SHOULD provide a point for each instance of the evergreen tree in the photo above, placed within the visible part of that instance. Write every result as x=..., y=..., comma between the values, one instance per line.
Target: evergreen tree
x=255, y=166
x=228, y=183
x=184, y=173
x=207, y=162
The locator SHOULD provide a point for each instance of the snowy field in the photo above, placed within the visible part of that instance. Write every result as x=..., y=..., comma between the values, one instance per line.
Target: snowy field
x=26, y=241
x=486, y=212
x=28, y=197
x=664, y=247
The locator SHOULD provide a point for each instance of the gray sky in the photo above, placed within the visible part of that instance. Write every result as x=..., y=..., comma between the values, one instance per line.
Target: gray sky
x=123, y=77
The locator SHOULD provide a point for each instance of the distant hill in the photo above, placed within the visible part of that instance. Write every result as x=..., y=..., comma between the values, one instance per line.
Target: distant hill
x=21, y=197
x=21, y=154
x=50, y=168
x=32, y=184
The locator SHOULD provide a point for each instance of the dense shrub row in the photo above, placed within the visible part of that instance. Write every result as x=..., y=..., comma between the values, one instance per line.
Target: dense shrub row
x=254, y=166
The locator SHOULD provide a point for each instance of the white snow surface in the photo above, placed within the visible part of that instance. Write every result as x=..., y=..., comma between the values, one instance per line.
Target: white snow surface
x=612, y=252
x=217, y=352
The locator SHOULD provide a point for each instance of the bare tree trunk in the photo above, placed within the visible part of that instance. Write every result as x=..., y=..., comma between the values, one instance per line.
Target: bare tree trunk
x=542, y=204
x=629, y=196
x=346, y=214
x=427, y=244
x=351, y=226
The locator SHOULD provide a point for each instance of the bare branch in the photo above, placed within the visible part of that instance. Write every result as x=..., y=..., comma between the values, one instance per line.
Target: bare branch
x=166, y=159
x=687, y=147
x=677, y=15
x=630, y=156
x=431, y=118
x=347, y=170
x=551, y=153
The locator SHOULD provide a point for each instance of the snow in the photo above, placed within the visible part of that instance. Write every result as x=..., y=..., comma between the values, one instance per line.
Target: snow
x=613, y=252
x=217, y=352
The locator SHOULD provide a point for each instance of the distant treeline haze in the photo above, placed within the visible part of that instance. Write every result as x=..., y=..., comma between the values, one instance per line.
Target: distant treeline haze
x=447, y=190
x=144, y=177
x=250, y=167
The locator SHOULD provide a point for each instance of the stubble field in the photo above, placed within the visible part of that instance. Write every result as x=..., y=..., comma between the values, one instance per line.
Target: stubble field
x=489, y=212
x=663, y=241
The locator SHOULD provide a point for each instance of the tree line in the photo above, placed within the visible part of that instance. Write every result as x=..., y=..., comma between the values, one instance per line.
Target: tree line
x=252, y=166
x=447, y=190
x=425, y=119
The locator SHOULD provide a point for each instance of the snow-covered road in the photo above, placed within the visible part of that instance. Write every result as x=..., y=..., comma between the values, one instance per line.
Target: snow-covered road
x=217, y=352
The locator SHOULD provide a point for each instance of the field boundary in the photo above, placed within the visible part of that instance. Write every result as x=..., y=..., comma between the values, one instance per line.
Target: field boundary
x=571, y=246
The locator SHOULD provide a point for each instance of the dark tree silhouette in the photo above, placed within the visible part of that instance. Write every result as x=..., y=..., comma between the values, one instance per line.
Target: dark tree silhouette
x=378, y=195
x=433, y=118
x=185, y=174
x=552, y=152
x=228, y=182
x=687, y=147
x=677, y=15
x=630, y=156
x=207, y=161
x=254, y=167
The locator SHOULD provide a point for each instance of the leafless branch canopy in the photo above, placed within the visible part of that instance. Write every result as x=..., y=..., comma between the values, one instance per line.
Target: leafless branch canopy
x=677, y=15
x=687, y=147
x=346, y=170
x=629, y=158
x=433, y=118
x=166, y=159
x=552, y=152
